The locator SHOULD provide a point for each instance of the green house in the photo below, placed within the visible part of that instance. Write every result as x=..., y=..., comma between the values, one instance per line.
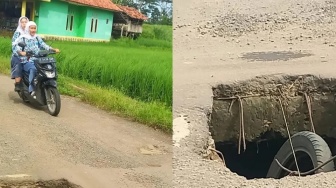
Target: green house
x=90, y=20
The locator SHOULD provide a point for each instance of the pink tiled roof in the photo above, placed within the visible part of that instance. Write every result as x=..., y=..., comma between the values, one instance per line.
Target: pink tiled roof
x=132, y=12
x=102, y=4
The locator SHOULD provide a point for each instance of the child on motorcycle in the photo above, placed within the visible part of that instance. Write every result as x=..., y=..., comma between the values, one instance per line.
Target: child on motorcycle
x=16, y=66
x=33, y=44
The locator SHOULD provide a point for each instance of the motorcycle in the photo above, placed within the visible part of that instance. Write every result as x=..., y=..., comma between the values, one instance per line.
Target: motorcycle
x=46, y=92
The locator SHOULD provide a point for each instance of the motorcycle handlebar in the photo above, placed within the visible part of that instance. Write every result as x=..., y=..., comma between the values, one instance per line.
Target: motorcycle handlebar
x=31, y=54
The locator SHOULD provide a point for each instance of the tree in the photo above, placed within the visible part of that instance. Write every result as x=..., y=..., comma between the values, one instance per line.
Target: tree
x=155, y=16
x=158, y=11
x=124, y=2
x=166, y=11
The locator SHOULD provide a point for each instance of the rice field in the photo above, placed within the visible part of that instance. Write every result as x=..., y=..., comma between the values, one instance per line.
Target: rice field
x=141, y=69
x=141, y=73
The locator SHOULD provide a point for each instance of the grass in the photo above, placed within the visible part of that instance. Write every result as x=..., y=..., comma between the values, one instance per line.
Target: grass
x=160, y=32
x=129, y=78
x=142, y=73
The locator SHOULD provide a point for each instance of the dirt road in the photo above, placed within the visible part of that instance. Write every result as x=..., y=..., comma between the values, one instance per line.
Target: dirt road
x=84, y=145
x=212, y=39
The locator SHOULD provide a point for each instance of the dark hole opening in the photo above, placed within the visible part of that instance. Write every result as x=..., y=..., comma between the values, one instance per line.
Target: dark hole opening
x=304, y=162
x=257, y=158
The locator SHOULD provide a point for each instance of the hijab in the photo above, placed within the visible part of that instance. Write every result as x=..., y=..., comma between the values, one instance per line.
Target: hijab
x=19, y=28
x=27, y=34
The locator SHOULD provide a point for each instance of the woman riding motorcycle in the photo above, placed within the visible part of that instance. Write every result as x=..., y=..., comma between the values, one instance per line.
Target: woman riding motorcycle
x=34, y=43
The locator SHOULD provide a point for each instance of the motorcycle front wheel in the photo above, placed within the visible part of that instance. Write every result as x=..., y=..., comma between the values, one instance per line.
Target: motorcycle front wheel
x=53, y=101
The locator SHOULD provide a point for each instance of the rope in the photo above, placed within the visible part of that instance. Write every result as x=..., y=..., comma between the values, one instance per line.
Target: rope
x=231, y=104
x=297, y=173
x=212, y=149
x=241, y=129
x=230, y=98
x=290, y=139
x=308, y=101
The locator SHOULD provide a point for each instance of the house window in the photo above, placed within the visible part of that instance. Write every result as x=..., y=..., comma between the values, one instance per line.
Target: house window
x=70, y=21
x=107, y=21
x=91, y=25
x=94, y=25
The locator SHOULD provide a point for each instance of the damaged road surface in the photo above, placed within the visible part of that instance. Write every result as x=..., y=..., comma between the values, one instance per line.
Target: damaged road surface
x=83, y=146
x=225, y=42
x=60, y=183
x=251, y=121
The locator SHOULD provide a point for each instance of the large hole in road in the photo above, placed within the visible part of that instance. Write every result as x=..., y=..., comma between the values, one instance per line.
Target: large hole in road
x=262, y=104
x=256, y=160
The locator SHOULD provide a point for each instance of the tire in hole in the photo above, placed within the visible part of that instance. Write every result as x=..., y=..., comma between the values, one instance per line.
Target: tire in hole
x=309, y=148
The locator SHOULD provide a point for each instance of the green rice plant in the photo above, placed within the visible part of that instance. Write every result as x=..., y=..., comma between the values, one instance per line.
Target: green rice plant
x=5, y=47
x=159, y=32
x=141, y=73
x=142, y=42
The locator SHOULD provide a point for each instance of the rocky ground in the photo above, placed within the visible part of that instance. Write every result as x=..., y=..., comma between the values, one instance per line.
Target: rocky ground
x=222, y=41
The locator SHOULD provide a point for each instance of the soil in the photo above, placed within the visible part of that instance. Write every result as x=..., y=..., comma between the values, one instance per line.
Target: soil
x=83, y=145
x=221, y=42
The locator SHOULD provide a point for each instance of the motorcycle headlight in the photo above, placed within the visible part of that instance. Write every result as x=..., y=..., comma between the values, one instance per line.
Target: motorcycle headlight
x=50, y=74
x=48, y=66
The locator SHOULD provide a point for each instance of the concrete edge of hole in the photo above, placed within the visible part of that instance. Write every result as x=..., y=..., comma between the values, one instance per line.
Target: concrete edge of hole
x=262, y=111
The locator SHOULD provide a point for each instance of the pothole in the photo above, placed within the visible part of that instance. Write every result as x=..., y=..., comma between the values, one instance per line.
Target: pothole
x=60, y=183
x=256, y=160
x=151, y=150
x=274, y=55
x=257, y=113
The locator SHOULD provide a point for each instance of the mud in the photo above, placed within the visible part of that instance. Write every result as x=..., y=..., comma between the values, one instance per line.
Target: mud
x=262, y=98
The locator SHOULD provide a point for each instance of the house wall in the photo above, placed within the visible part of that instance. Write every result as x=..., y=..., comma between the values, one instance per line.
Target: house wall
x=103, y=29
x=52, y=19
x=81, y=21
